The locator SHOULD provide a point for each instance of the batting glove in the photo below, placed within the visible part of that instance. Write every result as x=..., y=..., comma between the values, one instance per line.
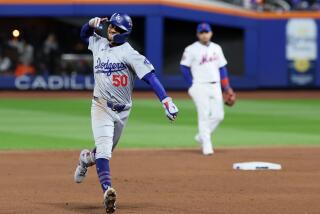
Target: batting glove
x=170, y=108
x=95, y=22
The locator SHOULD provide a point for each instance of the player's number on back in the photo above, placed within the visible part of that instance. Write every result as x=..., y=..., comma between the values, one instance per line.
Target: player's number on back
x=119, y=80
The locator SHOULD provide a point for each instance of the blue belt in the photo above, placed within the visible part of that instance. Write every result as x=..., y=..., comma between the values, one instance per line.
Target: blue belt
x=114, y=106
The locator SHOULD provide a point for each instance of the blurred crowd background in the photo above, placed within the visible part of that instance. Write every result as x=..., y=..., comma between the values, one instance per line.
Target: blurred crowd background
x=52, y=46
x=44, y=46
x=277, y=5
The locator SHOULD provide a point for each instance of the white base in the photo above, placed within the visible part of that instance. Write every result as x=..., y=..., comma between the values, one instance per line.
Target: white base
x=256, y=166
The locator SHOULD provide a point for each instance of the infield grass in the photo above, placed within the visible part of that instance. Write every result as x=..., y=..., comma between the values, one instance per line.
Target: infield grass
x=65, y=124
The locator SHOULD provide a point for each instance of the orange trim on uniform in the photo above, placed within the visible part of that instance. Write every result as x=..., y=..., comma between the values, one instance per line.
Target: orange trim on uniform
x=225, y=82
x=178, y=4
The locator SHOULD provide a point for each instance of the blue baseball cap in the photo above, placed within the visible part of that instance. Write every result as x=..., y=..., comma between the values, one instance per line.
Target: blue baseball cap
x=203, y=27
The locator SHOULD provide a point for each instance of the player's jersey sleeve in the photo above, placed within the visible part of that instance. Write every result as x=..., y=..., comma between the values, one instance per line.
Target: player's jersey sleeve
x=222, y=60
x=187, y=57
x=93, y=40
x=139, y=63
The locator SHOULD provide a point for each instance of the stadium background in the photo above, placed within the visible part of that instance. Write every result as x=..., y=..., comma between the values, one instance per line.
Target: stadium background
x=45, y=83
x=254, y=43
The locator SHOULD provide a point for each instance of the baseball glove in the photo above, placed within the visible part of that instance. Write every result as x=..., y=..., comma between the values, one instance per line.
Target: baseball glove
x=229, y=97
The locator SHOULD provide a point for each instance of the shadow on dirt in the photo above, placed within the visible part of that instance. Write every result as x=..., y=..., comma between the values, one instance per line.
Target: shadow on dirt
x=88, y=208
x=79, y=207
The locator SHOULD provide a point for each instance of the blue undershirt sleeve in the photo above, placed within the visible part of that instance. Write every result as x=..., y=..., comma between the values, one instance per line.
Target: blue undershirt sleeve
x=152, y=80
x=86, y=32
x=223, y=72
x=224, y=78
x=186, y=74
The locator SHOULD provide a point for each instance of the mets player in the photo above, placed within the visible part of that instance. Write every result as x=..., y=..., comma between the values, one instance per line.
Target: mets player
x=116, y=65
x=204, y=68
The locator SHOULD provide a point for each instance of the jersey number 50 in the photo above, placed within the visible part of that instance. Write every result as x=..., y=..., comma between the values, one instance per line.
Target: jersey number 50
x=119, y=80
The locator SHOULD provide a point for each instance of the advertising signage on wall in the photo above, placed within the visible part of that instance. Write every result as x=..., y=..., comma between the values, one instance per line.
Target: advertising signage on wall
x=301, y=51
x=54, y=82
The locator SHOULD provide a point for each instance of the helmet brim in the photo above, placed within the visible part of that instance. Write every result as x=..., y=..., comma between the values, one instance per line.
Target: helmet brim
x=119, y=26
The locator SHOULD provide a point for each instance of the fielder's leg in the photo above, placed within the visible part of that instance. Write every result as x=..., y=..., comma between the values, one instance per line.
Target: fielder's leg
x=216, y=108
x=200, y=96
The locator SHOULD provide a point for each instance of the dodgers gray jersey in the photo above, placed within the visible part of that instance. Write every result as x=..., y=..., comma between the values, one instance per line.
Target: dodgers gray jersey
x=115, y=69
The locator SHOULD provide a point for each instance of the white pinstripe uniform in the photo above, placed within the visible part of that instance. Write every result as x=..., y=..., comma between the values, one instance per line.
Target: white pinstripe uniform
x=204, y=62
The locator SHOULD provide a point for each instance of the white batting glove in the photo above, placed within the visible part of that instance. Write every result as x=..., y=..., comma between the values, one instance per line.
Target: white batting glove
x=170, y=108
x=94, y=22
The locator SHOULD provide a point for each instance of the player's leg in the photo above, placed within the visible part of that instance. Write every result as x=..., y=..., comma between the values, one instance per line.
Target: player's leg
x=119, y=125
x=86, y=159
x=103, y=130
x=110, y=193
x=201, y=100
x=103, y=120
x=216, y=107
x=120, y=121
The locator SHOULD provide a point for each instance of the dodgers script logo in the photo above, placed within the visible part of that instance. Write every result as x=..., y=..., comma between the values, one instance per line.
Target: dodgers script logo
x=108, y=67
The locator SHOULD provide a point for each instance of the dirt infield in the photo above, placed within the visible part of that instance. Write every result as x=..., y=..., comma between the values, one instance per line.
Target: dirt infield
x=164, y=181
x=262, y=94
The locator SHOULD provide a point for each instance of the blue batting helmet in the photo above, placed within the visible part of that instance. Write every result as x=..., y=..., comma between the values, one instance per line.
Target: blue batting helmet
x=124, y=22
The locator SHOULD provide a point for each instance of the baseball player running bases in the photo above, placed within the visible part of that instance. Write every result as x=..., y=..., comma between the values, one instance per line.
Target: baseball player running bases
x=116, y=65
x=203, y=65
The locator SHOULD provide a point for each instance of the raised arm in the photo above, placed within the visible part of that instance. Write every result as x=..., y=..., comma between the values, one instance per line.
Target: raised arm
x=86, y=32
x=87, y=29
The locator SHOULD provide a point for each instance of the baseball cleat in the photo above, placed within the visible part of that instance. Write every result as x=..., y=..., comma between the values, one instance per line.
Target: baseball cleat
x=109, y=202
x=86, y=159
x=208, y=153
x=207, y=149
x=80, y=173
